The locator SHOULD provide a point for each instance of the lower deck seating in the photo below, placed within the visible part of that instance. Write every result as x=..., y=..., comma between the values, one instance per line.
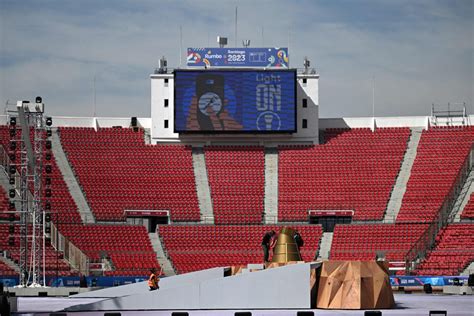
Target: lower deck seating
x=362, y=241
x=6, y=270
x=128, y=247
x=54, y=262
x=197, y=247
x=453, y=252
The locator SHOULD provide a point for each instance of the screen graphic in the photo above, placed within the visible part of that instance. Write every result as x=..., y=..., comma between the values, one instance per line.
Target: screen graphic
x=230, y=101
x=268, y=57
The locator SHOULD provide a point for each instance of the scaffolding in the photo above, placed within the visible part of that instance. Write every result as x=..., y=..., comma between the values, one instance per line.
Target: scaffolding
x=452, y=115
x=30, y=144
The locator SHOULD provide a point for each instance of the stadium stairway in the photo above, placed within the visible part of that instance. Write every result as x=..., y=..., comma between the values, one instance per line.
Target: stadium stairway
x=70, y=180
x=270, y=215
x=160, y=254
x=469, y=270
x=10, y=263
x=325, y=246
x=202, y=186
x=463, y=198
x=400, y=187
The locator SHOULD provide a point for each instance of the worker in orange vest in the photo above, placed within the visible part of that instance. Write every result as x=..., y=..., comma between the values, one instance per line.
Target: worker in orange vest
x=153, y=280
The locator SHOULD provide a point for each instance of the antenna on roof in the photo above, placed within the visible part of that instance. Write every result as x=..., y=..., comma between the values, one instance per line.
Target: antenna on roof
x=306, y=64
x=246, y=43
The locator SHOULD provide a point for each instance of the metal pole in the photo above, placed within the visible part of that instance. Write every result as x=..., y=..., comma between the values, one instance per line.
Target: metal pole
x=235, y=40
x=180, y=45
x=95, y=96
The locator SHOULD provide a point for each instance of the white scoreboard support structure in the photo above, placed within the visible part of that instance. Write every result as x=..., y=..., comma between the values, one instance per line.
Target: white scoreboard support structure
x=307, y=116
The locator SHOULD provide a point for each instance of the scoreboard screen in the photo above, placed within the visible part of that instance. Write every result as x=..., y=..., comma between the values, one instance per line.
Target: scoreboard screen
x=235, y=101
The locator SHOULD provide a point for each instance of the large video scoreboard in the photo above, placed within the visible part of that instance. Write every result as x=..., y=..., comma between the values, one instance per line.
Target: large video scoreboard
x=235, y=101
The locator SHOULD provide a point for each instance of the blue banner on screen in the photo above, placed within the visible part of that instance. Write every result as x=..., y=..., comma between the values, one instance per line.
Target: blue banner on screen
x=235, y=101
x=238, y=57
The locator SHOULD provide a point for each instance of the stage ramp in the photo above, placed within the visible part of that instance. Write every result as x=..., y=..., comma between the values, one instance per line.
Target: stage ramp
x=277, y=288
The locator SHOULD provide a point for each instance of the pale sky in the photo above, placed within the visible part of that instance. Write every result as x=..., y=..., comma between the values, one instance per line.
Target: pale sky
x=419, y=51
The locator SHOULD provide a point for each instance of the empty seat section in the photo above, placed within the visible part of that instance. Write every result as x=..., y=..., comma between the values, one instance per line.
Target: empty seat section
x=440, y=155
x=63, y=207
x=54, y=262
x=236, y=181
x=128, y=247
x=355, y=170
x=362, y=241
x=6, y=270
x=468, y=212
x=453, y=252
x=117, y=171
x=198, y=247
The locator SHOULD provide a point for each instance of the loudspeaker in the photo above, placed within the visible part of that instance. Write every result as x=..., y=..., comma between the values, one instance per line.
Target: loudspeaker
x=112, y=314
x=179, y=314
x=372, y=313
x=305, y=313
x=427, y=288
x=134, y=122
x=243, y=314
x=470, y=280
x=436, y=313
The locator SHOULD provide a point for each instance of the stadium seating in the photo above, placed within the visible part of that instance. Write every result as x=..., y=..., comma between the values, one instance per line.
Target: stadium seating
x=4, y=205
x=453, y=252
x=361, y=241
x=6, y=270
x=63, y=207
x=128, y=247
x=355, y=170
x=54, y=262
x=440, y=155
x=468, y=212
x=236, y=179
x=117, y=171
x=196, y=247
